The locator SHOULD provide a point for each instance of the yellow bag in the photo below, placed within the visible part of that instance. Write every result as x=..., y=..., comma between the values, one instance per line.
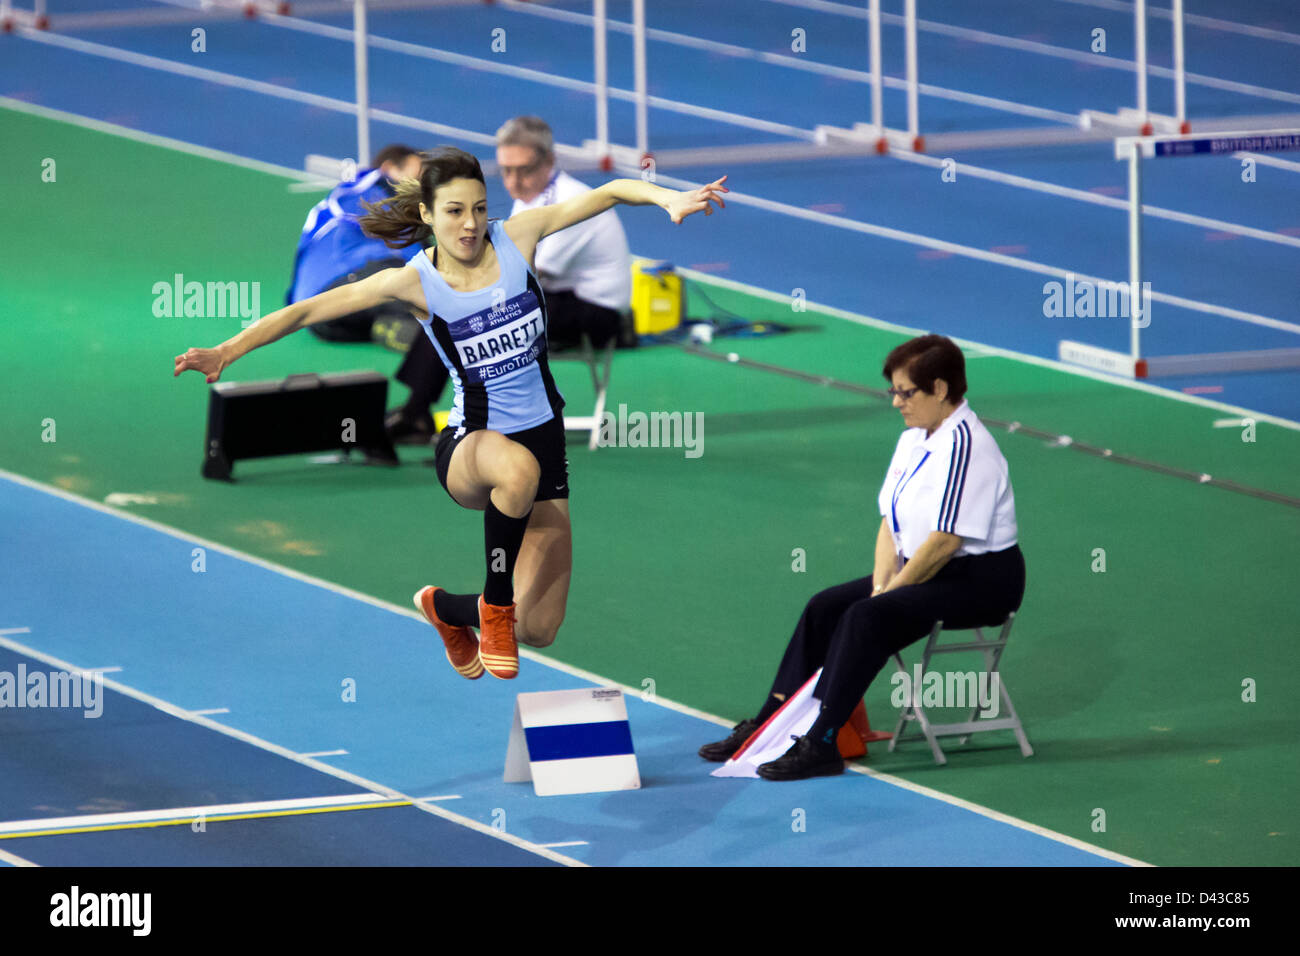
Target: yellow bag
x=656, y=296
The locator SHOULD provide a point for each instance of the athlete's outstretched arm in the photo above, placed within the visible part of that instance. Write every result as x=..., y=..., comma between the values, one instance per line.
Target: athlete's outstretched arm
x=380, y=288
x=532, y=225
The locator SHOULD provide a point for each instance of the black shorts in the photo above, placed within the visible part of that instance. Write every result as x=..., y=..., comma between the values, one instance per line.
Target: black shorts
x=545, y=441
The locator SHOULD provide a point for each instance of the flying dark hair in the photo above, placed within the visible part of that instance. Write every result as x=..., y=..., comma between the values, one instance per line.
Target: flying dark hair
x=396, y=220
x=927, y=358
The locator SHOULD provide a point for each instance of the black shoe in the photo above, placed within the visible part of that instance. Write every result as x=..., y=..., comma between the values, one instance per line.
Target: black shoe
x=723, y=750
x=403, y=428
x=807, y=758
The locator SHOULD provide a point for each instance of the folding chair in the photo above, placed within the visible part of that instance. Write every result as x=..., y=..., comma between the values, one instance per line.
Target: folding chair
x=599, y=365
x=914, y=712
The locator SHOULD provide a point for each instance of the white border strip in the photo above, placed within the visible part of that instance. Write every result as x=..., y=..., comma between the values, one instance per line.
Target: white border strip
x=181, y=814
x=14, y=860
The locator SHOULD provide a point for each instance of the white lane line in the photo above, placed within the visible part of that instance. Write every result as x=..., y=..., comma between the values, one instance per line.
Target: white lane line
x=383, y=43
x=999, y=817
x=970, y=252
x=210, y=712
x=1053, y=364
x=15, y=860
x=567, y=843
x=1273, y=161
x=244, y=83
x=188, y=813
x=1110, y=202
x=535, y=76
x=523, y=652
x=447, y=796
x=175, y=711
x=15, y=630
x=1196, y=19
x=153, y=139
x=1045, y=49
x=325, y=753
x=795, y=63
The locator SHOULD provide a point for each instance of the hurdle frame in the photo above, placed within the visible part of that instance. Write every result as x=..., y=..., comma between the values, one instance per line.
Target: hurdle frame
x=876, y=134
x=1134, y=149
x=1140, y=116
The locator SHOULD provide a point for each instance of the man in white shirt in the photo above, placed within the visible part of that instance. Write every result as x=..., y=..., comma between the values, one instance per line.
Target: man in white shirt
x=584, y=270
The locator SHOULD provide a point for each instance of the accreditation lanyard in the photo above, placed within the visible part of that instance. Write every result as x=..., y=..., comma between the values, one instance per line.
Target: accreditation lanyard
x=548, y=194
x=898, y=491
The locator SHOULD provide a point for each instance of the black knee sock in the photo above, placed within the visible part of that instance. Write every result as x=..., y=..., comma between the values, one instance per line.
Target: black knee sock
x=502, y=536
x=458, y=610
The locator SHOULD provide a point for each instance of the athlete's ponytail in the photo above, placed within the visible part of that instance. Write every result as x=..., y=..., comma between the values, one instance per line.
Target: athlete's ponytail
x=396, y=220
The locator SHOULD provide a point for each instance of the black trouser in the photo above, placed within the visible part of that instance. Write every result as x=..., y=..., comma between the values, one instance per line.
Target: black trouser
x=567, y=317
x=851, y=635
x=355, y=327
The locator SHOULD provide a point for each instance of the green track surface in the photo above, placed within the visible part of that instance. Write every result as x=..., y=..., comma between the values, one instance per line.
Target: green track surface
x=1129, y=681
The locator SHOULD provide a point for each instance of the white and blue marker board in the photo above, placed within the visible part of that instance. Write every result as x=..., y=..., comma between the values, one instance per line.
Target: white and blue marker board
x=572, y=741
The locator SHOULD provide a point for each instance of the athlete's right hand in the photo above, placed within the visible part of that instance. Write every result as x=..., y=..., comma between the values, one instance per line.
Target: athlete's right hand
x=208, y=361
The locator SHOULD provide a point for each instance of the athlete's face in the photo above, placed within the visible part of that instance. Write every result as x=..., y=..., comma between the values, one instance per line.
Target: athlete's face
x=920, y=409
x=458, y=218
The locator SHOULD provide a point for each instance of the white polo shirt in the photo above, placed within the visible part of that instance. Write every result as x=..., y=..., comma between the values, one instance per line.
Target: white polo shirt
x=954, y=481
x=589, y=259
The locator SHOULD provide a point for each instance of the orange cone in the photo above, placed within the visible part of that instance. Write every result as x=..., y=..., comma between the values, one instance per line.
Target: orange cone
x=857, y=733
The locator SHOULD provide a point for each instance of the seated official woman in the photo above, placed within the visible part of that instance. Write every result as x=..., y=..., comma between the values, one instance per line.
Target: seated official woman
x=946, y=551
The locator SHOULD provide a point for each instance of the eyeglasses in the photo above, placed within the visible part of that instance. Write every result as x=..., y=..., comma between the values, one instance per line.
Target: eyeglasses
x=903, y=393
x=529, y=170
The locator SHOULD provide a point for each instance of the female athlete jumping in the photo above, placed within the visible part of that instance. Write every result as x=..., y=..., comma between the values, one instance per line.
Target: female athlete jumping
x=502, y=451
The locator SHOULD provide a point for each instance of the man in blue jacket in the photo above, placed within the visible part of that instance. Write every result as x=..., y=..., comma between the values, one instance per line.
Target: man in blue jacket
x=333, y=251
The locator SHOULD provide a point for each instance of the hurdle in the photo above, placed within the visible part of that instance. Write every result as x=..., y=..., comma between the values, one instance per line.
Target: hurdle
x=251, y=8
x=1140, y=116
x=11, y=17
x=1133, y=364
x=876, y=133
x=597, y=153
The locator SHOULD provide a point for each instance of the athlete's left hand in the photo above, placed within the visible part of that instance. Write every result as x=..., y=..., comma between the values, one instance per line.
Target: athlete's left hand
x=694, y=200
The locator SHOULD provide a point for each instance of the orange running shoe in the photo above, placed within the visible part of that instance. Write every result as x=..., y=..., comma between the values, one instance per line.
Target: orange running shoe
x=497, y=648
x=462, y=646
